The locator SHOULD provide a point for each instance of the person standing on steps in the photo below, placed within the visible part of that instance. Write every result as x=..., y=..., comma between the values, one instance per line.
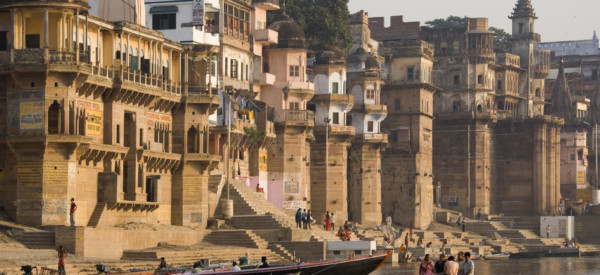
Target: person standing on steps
x=308, y=218
x=299, y=218
x=304, y=219
x=72, y=211
x=411, y=229
x=548, y=231
x=163, y=263
x=332, y=218
x=327, y=221
x=479, y=214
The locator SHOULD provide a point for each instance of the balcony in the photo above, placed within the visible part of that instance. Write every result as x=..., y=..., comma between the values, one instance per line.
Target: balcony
x=342, y=130
x=266, y=36
x=509, y=60
x=269, y=5
x=542, y=64
x=266, y=79
x=295, y=117
x=334, y=99
x=372, y=138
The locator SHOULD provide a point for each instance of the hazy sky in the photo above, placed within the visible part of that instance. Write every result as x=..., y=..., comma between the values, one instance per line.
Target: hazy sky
x=558, y=19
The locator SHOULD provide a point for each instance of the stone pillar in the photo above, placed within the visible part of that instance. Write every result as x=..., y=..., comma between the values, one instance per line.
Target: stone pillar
x=112, y=50
x=77, y=36
x=539, y=168
x=46, y=28
x=85, y=35
x=13, y=29
x=172, y=67
x=24, y=30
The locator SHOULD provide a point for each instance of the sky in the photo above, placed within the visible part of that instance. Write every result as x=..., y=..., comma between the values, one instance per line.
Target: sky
x=559, y=20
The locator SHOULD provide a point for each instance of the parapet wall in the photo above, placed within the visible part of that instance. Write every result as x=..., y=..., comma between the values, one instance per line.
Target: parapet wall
x=397, y=30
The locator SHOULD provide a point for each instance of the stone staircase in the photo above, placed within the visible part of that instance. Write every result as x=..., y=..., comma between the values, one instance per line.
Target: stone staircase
x=96, y=214
x=242, y=238
x=252, y=211
x=37, y=239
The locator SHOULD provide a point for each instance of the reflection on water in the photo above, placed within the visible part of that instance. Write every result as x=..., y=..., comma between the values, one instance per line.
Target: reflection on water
x=554, y=266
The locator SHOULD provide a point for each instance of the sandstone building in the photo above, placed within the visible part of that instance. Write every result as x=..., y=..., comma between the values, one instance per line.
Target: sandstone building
x=365, y=82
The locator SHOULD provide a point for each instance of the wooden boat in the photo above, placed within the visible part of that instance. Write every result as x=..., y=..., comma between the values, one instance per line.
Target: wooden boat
x=355, y=266
x=502, y=256
x=564, y=252
x=529, y=254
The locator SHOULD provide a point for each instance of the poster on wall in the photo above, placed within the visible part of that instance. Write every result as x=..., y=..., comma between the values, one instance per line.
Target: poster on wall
x=580, y=177
x=198, y=13
x=93, y=117
x=32, y=115
x=293, y=205
x=292, y=187
x=262, y=162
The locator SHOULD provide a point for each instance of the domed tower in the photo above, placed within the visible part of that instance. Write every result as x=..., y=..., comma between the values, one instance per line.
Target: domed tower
x=333, y=134
x=365, y=82
x=288, y=157
x=535, y=62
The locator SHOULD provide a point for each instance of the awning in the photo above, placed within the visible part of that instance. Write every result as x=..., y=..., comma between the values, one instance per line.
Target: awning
x=164, y=9
x=209, y=8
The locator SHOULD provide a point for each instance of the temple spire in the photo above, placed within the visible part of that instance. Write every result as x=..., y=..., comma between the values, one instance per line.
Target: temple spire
x=523, y=9
x=561, y=96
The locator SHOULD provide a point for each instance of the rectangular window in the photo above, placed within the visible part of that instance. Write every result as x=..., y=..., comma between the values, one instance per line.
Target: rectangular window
x=3, y=41
x=580, y=155
x=32, y=41
x=234, y=69
x=226, y=66
x=336, y=118
x=370, y=94
x=397, y=104
x=247, y=72
x=521, y=28
x=118, y=134
x=335, y=88
x=410, y=73
x=294, y=106
x=393, y=136
x=164, y=21
x=456, y=80
x=141, y=137
x=572, y=156
x=294, y=70
x=213, y=69
x=594, y=71
x=370, y=126
x=499, y=86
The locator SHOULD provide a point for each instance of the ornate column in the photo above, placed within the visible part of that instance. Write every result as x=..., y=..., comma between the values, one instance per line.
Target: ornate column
x=77, y=36
x=46, y=28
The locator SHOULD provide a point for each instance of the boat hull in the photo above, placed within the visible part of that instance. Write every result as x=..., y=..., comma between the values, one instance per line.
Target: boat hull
x=357, y=266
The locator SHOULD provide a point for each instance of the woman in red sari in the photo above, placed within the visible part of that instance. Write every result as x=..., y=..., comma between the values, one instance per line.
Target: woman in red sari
x=327, y=221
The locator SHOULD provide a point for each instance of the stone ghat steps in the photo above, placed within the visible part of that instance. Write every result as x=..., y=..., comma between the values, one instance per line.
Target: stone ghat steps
x=96, y=214
x=242, y=238
x=254, y=222
x=250, y=203
x=37, y=239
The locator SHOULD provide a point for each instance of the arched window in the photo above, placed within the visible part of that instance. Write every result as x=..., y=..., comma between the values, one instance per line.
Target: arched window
x=538, y=93
x=54, y=118
x=479, y=108
x=456, y=106
x=192, y=137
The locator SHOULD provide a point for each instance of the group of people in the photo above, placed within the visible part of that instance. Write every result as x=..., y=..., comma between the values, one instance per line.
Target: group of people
x=304, y=219
x=462, y=265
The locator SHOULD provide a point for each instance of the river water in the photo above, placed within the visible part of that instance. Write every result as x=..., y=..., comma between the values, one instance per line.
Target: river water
x=553, y=266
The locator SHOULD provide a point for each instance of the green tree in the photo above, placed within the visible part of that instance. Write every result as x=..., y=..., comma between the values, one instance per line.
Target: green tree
x=502, y=39
x=325, y=22
x=450, y=22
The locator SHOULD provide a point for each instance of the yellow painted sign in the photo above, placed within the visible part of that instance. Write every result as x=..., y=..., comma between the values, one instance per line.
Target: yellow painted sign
x=93, y=121
x=93, y=117
x=580, y=177
x=262, y=162
x=32, y=115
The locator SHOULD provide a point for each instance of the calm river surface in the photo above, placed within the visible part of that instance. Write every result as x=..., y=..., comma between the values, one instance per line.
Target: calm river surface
x=553, y=266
